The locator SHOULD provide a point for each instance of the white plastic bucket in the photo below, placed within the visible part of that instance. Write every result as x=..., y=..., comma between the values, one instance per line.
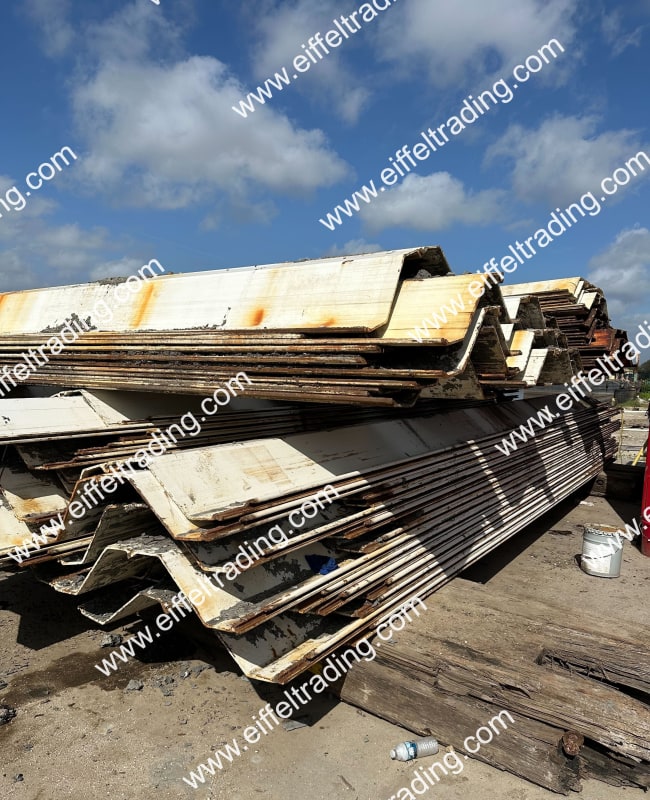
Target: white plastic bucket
x=602, y=551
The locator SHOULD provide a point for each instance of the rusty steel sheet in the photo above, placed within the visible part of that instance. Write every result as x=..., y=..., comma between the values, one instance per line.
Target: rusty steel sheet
x=525, y=310
x=535, y=365
x=304, y=295
x=112, y=566
x=192, y=493
x=380, y=384
x=32, y=498
x=416, y=300
x=421, y=333
x=251, y=649
x=43, y=417
x=136, y=557
x=311, y=651
x=557, y=368
x=81, y=413
x=465, y=386
x=579, y=310
x=117, y=521
x=55, y=454
x=111, y=605
x=13, y=532
x=522, y=343
x=218, y=607
x=573, y=286
x=195, y=485
x=399, y=536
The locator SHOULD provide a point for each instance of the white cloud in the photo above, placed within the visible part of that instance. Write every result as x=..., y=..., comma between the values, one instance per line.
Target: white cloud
x=163, y=134
x=615, y=35
x=281, y=27
x=281, y=30
x=460, y=42
x=353, y=247
x=622, y=271
x=50, y=16
x=136, y=32
x=189, y=142
x=37, y=252
x=563, y=158
x=433, y=202
x=15, y=272
x=69, y=249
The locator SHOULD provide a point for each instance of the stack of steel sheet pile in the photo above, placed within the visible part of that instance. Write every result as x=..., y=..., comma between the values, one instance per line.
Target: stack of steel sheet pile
x=352, y=330
x=414, y=494
x=580, y=310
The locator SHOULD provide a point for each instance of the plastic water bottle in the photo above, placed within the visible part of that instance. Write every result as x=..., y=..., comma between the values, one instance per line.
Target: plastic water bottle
x=417, y=748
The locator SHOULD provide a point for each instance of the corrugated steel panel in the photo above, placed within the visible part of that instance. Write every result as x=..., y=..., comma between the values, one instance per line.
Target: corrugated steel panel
x=579, y=309
x=572, y=285
x=281, y=325
x=417, y=300
x=342, y=293
x=31, y=498
x=397, y=538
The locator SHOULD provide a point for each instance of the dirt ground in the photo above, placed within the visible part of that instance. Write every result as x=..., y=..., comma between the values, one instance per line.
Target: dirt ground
x=78, y=734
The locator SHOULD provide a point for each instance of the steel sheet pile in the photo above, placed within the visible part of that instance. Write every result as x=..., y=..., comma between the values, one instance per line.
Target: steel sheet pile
x=345, y=330
x=414, y=495
x=417, y=500
x=580, y=310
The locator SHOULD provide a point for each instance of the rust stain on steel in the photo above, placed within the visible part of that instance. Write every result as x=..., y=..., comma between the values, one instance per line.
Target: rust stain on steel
x=14, y=311
x=143, y=299
x=32, y=506
x=329, y=322
x=603, y=337
x=572, y=743
x=257, y=316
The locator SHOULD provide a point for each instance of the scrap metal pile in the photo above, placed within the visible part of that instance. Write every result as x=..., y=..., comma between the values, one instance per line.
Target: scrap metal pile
x=415, y=494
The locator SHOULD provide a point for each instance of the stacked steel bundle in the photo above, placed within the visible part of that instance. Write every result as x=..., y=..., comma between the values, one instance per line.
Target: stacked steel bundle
x=378, y=329
x=419, y=492
x=413, y=502
x=580, y=311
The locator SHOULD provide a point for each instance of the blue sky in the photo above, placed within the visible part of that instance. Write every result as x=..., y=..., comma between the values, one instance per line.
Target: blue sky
x=143, y=94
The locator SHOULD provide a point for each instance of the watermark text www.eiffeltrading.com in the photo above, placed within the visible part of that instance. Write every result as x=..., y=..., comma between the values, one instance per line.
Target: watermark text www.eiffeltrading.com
x=247, y=555
x=433, y=139
x=15, y=200
x=558, y=223
x=333, y=668
x=427, y=777
x=315, y=50
x=580, y=386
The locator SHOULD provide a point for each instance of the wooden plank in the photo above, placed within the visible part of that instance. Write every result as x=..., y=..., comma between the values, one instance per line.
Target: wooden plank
x=528, y=748
x=524, y=749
